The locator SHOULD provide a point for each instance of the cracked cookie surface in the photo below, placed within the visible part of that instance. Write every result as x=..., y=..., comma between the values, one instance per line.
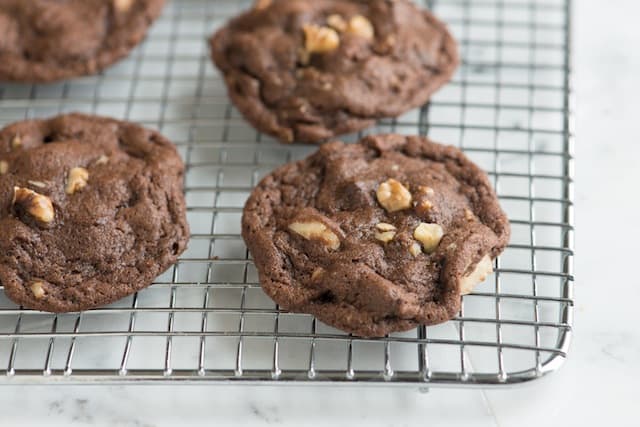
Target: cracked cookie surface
x=49, y=40
x=375, y=237
x=91, y=210
x=306, y=71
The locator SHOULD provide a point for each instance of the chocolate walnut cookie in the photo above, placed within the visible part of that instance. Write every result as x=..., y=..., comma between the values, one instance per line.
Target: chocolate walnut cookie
x=375, y=237
x=91, y=210
x=306, y=71
x=47, y=40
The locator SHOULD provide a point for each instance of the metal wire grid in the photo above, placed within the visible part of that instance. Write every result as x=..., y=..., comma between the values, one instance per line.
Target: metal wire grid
x=206, y=319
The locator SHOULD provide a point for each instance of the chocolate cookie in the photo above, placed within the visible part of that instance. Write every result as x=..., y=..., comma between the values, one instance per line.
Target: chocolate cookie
x=306, y=71
x=91, y=210
x=47, y=40
x=375, y=237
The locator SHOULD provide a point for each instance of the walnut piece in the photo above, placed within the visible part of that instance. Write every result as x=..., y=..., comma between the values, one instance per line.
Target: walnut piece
x=102, y=160
x=383, y=226
x=16, y=142
x=469, y=215
x=317, y=274
x=426, y=190
x=37, y=287
x=303, y=57
x=361, y=27
x=77, y=180
x=423, y=207
x=429, y=235
x=337, y=22
x=123, y=6
x=415, y=249
x=4, y=167
x=36, y=205
x=38, y=184
x=262, y=4
x=393, y=196
x=314, y=230
x=386, y=232
x=320, y=39
x=358, y=25
x=385, y=236
x=477, y=276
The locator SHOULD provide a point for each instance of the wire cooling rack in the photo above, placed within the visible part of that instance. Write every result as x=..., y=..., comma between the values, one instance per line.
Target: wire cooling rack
x=207, y=320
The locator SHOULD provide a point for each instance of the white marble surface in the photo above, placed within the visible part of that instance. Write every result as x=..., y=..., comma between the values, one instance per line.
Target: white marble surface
x=597, y=385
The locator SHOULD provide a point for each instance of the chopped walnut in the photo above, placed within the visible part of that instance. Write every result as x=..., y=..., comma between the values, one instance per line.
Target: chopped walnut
x=390, y=41
x=385, y=236
x=317, y=274
x=303, y=57
x=262, y=4
x=4, y=167
x=424, y=206
x=358, y=25
x=429, y=235
x=383, y=226
x=16, y=142
x=426, y=190
x=479, y=274
x=314, y=230
x=361, y=27
x=385, y=46
x=77, y=180
x=38, y=184
x=386, y=232
x=123, y=6
x=37, y=287
x=393, y=196
x=38, y=206
x=102, y=160
x=469, y=215
x=415, y=249
x=337, y=22
x=320, y=39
